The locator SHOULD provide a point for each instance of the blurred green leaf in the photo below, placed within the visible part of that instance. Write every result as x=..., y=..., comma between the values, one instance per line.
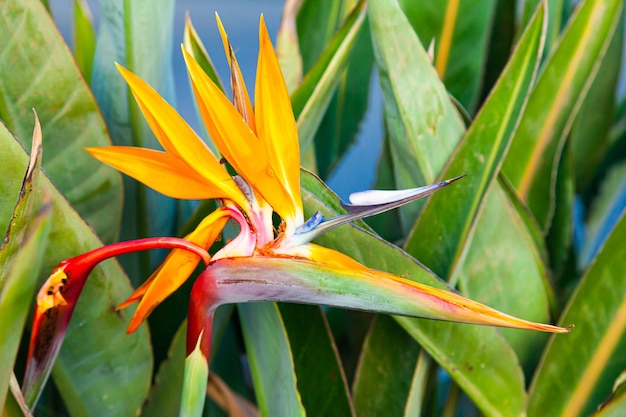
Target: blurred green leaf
x=560, y=234
x=452, y=212
x=48, y=80
x=271, y=360
x=311, y=99
x=501, y=41
x=320, y=378
x=483, y=364
x=84, y=38
x=461, y=31
x=590, y=131
x=138, y=35
x=97, y=354
x=288, y=46
x=385, y=372
x=316, y=22
x=604, y=213
x=577, y=371
x=615, y=406
x=565, y=78
x=422, y=123
x=340, y=125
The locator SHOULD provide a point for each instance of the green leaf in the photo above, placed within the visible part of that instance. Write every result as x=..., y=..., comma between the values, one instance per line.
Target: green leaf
x=316, y=22
x=500, y=44
x=84, y=38
x=512, y=277
x=98, y=358
x=311, y=99
x=271, y=360
x=605, y=213
x=590, y=131
x=461, y=31
x=423, y=126
x=383, y=378
x=484, y=365
x=194, y=383
x=560, y=234
x=346, y=111
x=554, y=16
x=20, y=260
x=137, y=35
x=615, y=406
x=563, y=83
x=165, y=394
x=577, y=371
x=37, y=71
x=15, y=406
x=452, y=213
x=288, y=46
x=321, y=380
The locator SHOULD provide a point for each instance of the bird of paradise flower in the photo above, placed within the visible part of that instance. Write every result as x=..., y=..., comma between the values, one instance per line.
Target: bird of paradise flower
x=261, y=263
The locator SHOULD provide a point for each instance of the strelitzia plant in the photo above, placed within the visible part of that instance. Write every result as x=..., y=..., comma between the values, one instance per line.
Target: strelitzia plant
x=268, y=260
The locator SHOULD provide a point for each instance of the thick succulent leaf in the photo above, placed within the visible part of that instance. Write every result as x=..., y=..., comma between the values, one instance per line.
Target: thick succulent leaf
x=460, y=30
x=484, y=365
x=84, y=38
x=590, y=131
x=96, y=341
x=424, y=128
x=311, y=99
x=604, y=214
x=138, y=36
x=532, y=161
x=37, y=71
x=576, y=373
x=452, y=213
x=512, y=267
x=385, y=372
x=321, y=380
x=271, y=360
